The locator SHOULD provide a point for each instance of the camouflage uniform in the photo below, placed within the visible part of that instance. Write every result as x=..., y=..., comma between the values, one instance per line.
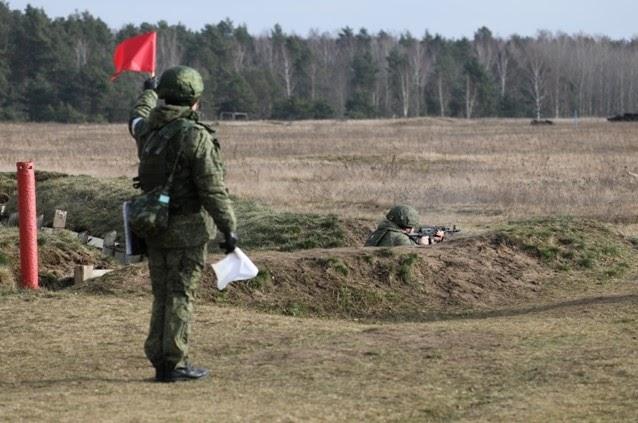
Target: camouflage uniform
x=389, y=233
x=176, y=257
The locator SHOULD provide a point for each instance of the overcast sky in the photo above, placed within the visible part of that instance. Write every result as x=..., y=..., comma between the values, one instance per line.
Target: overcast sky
x=451, y=18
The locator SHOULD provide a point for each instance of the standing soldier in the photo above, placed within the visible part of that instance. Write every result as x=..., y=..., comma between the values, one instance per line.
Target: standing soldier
x=170, y=139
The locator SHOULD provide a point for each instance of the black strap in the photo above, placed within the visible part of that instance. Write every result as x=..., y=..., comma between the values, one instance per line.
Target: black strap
x=169, y=181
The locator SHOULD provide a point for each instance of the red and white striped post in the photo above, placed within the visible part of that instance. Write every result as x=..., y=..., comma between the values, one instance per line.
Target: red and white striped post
x=28, y=225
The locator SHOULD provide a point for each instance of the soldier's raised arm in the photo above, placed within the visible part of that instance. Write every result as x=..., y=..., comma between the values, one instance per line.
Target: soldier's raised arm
x=146, y=102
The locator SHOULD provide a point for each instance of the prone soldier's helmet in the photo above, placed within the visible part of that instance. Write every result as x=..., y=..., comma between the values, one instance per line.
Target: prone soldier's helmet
x=403, y=216
x=180, y=85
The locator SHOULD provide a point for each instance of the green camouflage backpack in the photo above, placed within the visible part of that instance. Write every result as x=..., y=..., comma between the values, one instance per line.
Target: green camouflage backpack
x=148, y=213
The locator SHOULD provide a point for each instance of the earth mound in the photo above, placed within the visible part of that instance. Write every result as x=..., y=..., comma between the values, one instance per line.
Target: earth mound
x=94, y=206
x=367, y=283
x=387, y=283
x=513, y=265
x=58, y=254
x=313, y=265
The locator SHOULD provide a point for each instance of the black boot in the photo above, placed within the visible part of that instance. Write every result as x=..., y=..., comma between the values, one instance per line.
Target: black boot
x=181, y=374
x=163, y=373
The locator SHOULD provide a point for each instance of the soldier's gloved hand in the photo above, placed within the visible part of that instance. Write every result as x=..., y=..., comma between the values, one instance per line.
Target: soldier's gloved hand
x=230, y=242
x=151, y=83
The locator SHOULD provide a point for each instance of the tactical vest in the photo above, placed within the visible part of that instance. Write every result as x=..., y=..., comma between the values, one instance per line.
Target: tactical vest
x=154, y=167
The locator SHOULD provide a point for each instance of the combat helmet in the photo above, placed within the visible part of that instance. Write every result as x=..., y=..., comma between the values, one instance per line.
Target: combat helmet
x=180, y=85
x=403, y=216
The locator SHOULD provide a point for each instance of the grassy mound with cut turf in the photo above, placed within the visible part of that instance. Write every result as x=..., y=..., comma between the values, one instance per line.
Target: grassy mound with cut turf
x=58, y=254
x=523, y=262
x=94, y=205
x=570, y=244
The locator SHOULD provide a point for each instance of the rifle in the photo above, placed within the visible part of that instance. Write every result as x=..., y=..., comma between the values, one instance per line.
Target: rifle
x=430, y=231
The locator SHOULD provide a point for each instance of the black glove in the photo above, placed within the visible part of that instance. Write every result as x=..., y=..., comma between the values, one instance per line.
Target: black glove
x=151, y=83
x=230, y=242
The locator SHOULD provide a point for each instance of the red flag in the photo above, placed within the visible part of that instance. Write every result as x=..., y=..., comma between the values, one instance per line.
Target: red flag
x=135, y=54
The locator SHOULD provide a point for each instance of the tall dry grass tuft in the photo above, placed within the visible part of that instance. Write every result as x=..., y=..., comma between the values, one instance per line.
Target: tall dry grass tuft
x=473, y=171
x=7, y=280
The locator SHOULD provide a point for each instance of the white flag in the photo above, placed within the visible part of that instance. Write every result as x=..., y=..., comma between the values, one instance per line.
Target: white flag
x=236, y=266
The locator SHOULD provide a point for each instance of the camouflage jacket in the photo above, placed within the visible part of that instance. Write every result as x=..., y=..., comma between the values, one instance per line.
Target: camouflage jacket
x=388, y=234
x=198, y=191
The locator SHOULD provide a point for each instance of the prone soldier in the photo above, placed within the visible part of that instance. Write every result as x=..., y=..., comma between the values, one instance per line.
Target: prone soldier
x=400, y=228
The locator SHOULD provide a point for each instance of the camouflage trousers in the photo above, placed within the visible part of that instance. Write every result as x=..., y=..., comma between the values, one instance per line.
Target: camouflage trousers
x=175, y=275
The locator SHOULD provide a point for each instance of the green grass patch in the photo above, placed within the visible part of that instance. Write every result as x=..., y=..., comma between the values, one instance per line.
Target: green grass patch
x=406, y=263
x=355, y=301
x=338, y=266
x=385, y=252
x=95, y=205
x=92, y=204
x=260, y=227
x=7, y=183
x=262, y=281
x=572, y=244
x=294, y=309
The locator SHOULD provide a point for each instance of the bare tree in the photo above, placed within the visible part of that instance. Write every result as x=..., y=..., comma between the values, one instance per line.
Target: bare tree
x=169, y=48
x=531, y=56
x=556, y=55
x=322, y=46
x=502, y=64
x=81, y=50
x=381, y=47
x=485, y=47
x=420, y=68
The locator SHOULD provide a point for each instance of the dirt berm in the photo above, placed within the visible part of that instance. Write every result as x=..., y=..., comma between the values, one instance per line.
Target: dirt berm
x=378, y=283
x=513, y=265
x=383, y=283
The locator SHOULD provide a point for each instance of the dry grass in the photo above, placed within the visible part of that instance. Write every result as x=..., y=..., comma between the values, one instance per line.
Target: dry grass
x=77, y=357
x=7, y=279
x=472, y=172
x=572, y=360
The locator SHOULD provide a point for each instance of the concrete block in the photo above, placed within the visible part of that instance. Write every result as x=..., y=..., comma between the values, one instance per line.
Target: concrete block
x=100, y=272
x=95, y=242
x=86, y=272
x=59, y=219
x=82, y=273
x=109, y=245
x=109, y=239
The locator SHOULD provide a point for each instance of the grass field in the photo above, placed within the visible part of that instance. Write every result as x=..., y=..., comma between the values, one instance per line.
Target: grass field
x=485, y=170
x=531, y=315
x=78, y=358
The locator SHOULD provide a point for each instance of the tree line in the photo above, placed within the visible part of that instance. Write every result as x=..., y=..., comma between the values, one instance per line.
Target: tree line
x=59, y=70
